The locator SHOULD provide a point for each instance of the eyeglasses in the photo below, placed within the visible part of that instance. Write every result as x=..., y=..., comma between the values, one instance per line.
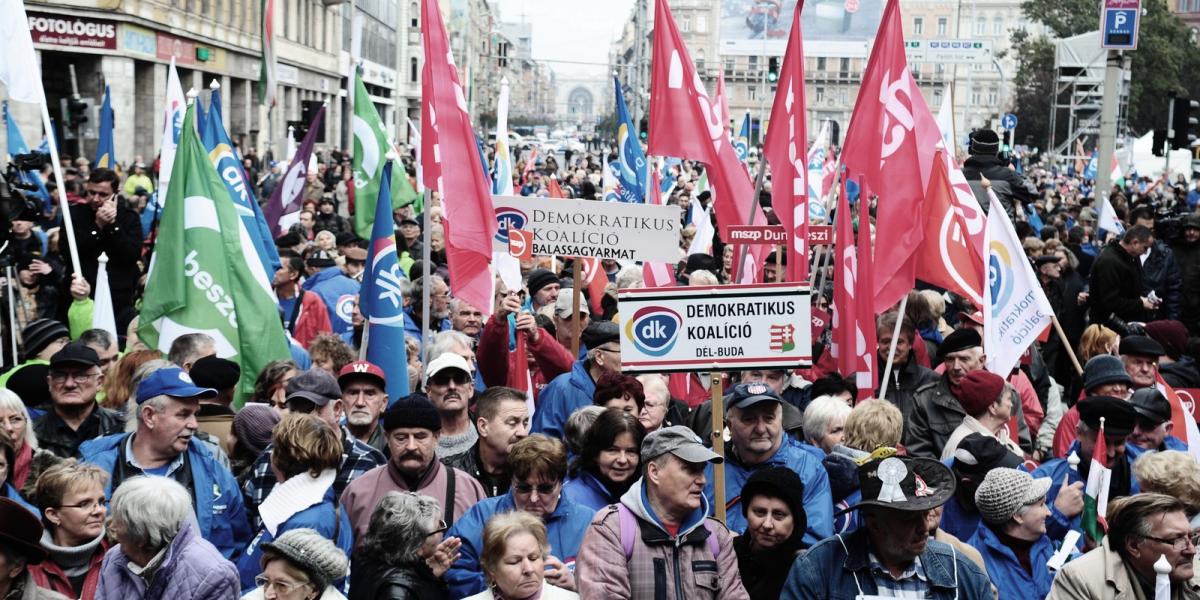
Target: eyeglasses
x=445, y=378
x=1179, y=543
x=86, y=505
x=543, y=489
x=442, y=527
x=283, y=588
x=58, y=377
x=613, y=350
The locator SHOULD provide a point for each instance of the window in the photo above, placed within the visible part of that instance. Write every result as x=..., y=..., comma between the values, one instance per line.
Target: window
x=844, y=66
x=729, y=64
x=998, y=26
x=753, y=63
x=700, y=61
x=820, y=94
x=941, y=26
x=821, y=63
x=993, y=96
x=412, y=70
x=752, y=93
x=937, y=97
x=702, y=23
x=414, y=16
x=975, y=95
x=918, y=26
x=980, y=26
x=939, y=68
x=686, y=25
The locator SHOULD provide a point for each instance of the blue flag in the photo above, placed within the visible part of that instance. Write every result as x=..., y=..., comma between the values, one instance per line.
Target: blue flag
x=17, y=145
x=380, y=300
x=229, y=166
x=1089, y=172
x=741, y=145
x=630, y=166
x=105, y=157
x=1035, y=220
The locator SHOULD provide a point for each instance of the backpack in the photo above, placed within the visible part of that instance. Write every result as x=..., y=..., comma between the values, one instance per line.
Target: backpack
x=629, y=527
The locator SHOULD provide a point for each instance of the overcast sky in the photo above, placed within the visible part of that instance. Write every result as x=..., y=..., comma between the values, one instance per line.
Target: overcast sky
x=575, y=30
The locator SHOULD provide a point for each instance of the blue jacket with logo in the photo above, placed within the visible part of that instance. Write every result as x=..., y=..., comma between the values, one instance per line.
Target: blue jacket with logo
x=220, y=511
x=560, y=398
x=1007, y=574
x=818, y=498
x=564, y=530
x=335, y=290
x=323, y=517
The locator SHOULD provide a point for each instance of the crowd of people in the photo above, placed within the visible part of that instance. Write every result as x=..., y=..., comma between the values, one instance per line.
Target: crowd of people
x=128, y=472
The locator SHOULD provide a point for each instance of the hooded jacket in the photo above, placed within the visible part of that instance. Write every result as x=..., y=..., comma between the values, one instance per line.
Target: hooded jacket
x=660, y=566
x=191, y=570
x=334, y=288
x=565, y=394
x=1007, y=574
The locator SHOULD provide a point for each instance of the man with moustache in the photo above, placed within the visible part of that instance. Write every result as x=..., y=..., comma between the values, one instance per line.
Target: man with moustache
x=165, y=445
x=466, y=318
x=365, y=397
x=450, y=384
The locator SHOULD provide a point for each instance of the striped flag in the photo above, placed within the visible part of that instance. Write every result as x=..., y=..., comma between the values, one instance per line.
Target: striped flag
x=1095, y=499
x=1184, y=426
x=783, y=338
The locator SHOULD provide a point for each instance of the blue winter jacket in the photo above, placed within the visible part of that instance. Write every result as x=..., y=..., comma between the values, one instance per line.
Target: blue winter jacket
x=587, y=490
x=336, y=290
x=220, y=511
x=1170, y=443
x=322, y=517
x=1005, y=570
x=7, y=490
x=564, y=530
x=818, y=499
x=561, y=397
x=1057, y=525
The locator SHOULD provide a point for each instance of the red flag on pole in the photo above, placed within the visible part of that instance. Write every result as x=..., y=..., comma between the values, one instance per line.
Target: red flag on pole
x=554, y=190
x=684, y=124
x=784, y=148
x=891, y=137
x=866, y=344
x=470, y=218
x=721, y=102
x=596, y=280
x=951, y=255
x=845, y=269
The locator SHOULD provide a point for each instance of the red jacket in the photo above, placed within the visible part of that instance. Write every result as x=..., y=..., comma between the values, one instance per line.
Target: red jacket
x=495, y=361
x=312, y=320
x=50, y=576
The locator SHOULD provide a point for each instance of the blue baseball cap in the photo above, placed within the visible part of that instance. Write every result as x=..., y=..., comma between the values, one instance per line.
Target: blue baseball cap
x=173, y=382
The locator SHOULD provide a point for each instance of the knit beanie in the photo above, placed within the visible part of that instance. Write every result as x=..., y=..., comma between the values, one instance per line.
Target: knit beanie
x=252, y=425
x=784, y=484
x=538, y=279
x=1004, y=491
x=978, y=390
x=415, y=411
x=313, y=553
x=38, y=334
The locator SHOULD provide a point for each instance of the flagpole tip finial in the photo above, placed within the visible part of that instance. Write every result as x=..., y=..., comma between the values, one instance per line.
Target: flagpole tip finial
x=103, y=258
x=215, y=85
x=503, y=81
x=392, y=156
x=192, y=94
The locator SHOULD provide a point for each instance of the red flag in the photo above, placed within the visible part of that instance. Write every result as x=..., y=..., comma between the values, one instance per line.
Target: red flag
x=684, y=124
x=658, y=274
x=828, y=173
x=555, y=190
x=845, y=270
x=951, y=256
x=891, y=137
x=721, y=102
x=866, y=344
x=1184, y=424
x=470, y=218
x=596, y=280
x=784, y=148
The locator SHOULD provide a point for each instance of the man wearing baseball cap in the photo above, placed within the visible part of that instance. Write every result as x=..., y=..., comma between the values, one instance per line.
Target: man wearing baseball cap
x=891, y=555
x=450, y=384
x=661, y=523
x=165, y=445
x=754, y=415
x=74, y=417
x=1152, y=428
x=364, y=398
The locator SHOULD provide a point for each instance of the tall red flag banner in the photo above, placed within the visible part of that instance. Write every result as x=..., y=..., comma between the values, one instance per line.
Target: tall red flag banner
x=866, y=375
x=845, y=267
x=784, y=148
x=951, y=255
x=683, y=123
x=470, y=218
x=891, y=137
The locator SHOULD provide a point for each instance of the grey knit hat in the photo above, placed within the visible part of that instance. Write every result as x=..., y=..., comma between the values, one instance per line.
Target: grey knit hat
x=313, y=553
x=1004, y=491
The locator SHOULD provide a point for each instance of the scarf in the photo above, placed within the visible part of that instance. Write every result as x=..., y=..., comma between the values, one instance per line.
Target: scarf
x=21, y=464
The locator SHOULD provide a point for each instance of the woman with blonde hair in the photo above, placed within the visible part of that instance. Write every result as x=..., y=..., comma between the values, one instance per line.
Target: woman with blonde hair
x=71, y=496
x=17, y=427
x=1171, y=472
x=514, y=555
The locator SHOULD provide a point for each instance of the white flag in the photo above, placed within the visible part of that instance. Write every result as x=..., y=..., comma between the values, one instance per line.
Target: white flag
x=102, y=311
x=1107, y=220
x=1016, y=310
x=172, y=126
x=702, y=240
x=945, y=121
x=18, y=63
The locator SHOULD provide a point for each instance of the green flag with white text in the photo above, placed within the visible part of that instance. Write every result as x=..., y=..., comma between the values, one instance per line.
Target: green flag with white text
x=205, y=275
x=371, y=147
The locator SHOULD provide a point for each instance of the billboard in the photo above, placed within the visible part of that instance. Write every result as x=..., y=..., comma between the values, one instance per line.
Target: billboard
x=830, y=27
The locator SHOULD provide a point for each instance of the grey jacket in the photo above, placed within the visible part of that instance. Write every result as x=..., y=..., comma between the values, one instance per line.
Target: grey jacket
x=937, y=413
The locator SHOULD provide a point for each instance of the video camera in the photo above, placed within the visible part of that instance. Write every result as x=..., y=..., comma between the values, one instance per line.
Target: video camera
x=14, y=204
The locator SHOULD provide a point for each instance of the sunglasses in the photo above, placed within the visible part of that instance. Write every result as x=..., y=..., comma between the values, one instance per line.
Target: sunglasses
x=445, y=378
x=543, y=489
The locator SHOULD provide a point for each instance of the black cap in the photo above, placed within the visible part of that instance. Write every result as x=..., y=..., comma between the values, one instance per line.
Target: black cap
x=1140, y=345
x=702, y=262
x=782, y=483
x=984, y=141
x=75, y=353
x=1045, y=259
x=745, y=395
x=1151, y=405
x=1119, y=416
x=41, y=333
x=214, y=372
x=321, y=258
x=977, y=454
x=538, y=279
x=346, y=238
x=409, y=221
x=959, y=339
x=315, y=385
x=415, y=411
x=599, y=333
x=288, y=240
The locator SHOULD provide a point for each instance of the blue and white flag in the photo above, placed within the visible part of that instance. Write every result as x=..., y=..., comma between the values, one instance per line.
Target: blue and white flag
x=105, y=156
x=229, y=166
x=741, y=144
x=630, y=166
x=380, y=299
x=502, y=184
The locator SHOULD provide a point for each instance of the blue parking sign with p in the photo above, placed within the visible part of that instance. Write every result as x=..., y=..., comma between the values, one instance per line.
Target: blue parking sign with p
x=1120, y=28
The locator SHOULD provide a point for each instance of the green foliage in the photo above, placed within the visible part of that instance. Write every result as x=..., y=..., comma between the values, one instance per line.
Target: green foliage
x=1033, y=87
x=1065, y=18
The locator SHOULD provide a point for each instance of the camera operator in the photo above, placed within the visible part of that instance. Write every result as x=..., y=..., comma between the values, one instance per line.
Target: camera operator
x=106, y=224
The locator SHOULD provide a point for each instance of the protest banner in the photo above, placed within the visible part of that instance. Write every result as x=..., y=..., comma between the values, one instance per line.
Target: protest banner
x=715, y=327
x=775, y=234
x=614, y=230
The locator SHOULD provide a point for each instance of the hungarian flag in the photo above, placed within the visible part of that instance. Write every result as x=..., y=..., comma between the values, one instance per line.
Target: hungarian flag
x=1095, y=499
x=1184, y=424
x=201, y=278
x=371, y=148
x=784, y=150
x=890, y=141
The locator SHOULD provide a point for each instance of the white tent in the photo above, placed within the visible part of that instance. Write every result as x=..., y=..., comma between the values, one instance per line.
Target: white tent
x=1146, y=164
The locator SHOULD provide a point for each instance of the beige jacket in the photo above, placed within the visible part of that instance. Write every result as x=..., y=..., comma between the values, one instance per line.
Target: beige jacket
x=1102, y=575
x=971, y=425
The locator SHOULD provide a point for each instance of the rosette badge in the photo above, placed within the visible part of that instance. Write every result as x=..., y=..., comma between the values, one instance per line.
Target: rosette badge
x=653, y=330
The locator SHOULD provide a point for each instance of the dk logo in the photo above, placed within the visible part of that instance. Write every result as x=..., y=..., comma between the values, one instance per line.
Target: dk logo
x=654, y=330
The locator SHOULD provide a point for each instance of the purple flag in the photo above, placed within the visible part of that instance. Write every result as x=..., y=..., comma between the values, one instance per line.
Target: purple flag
x=285, y=200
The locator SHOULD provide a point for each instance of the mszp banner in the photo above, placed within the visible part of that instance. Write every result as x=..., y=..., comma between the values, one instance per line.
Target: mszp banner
x=615, y=230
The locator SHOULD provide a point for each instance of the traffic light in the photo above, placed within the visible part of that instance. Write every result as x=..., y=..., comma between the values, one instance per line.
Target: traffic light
x=1185, y=123
x=77, y=110
x=1160, y=140
x=773, y=70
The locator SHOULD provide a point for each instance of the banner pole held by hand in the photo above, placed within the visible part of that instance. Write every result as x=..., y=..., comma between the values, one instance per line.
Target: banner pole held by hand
x=718, y=440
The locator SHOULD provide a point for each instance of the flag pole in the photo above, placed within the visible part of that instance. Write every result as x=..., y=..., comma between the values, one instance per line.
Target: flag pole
x=576, y=291
x=740, y=254
x=425, y=270
x=887, y=371
x=1066, y=345
x=819, y=274
x=718, y=442
x=64, y=208
x=12, y=312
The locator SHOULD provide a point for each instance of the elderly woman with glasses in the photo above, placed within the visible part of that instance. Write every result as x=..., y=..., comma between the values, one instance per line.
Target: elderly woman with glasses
x=538, y=465
x=72, y=499
x=159, y=552
x=301, y=564
x=515, y=556
x=403, y=556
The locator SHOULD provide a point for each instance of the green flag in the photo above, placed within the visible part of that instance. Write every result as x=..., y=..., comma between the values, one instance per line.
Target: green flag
x=205, y=276
x=370, y=153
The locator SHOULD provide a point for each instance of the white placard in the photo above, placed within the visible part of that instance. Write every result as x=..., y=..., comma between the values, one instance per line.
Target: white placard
x=615, y=230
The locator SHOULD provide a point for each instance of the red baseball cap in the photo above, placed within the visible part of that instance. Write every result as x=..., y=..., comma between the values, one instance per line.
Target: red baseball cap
x=975, y=317
x=362, y=368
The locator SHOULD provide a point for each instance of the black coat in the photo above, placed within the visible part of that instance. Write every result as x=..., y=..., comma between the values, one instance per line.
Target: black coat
x=1187, y=256
x=1116, y=287
x=1007, y=183
x=121, y=241
x=372, y=580
x=763, y=573
x=1161, y=273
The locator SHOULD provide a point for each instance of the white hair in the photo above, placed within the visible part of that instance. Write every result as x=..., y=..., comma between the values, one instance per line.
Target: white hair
x=444, y=341
x=702, y=277
x=151, y=510
x=656, y=385
x=9, y=400
x=822, y=411
x=630, y=277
